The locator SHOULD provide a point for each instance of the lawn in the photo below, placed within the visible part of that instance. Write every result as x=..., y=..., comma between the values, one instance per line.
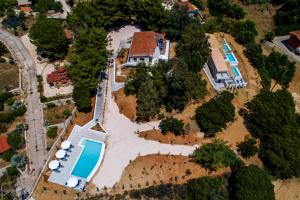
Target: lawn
x=9, y=76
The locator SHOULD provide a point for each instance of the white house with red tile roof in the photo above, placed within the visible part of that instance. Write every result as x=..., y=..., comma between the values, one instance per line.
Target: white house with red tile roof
x=148, y=47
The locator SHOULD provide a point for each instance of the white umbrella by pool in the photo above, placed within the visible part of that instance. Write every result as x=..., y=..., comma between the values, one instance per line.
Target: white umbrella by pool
x=72, y=182
x=60, y=154
x=65, y=144
x=54, y=164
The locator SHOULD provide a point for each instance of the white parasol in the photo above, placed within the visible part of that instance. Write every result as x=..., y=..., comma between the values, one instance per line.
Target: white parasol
x=72, y=182
x=54, y=164
x=66, y=144
x=60, y=154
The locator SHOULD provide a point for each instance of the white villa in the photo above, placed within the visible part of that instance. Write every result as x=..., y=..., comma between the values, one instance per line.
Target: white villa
x=148, y=47
x=223, y=66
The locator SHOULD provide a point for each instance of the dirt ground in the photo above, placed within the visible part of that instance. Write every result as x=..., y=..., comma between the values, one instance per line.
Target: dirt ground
x=170, y=138
x=294, y=87
x=287, y=189
x=126, y=104
x=47, y=190
x=151, y=170
x=9, y=76
x=261, y=15
x=172, y=53
x=55, y=115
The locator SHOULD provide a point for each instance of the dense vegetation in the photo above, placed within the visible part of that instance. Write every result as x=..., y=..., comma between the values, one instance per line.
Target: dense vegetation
x=273, y=120
x=52, y=132
x=43, y=6
x=223, y=8
x=170, y=84
x=213, y=188
x=6, y=6
x=287, y=17
x=48, y=35
x=87, y=59
x=212, y=116
x=247, y=148
x=192, y=47
x=250, y=182
x=3, y=49
x=215, y=155
x=173, y=125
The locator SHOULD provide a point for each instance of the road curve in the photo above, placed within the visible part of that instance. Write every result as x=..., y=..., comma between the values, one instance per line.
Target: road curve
x=35, y=138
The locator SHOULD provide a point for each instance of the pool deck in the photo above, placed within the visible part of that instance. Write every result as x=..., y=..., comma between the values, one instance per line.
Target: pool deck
x=63, y=173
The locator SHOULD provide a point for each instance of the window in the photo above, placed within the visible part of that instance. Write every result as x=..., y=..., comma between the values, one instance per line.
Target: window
x=134, y=59
x=142, y=59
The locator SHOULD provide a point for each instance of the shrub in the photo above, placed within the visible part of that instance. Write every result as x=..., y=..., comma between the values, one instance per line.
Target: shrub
x=214, y=155
x=7, y=155
x=67, y=113
x=51, y=105
x=18, y=160
x=212, y=116
x=52, y=132
x=171, y=125
x=247, y=148
x=43, y=99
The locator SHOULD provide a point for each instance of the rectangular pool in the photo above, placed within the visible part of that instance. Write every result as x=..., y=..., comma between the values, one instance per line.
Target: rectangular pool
x=226, y=48
x=231, y=58
x=90, y=157
x=236, y=71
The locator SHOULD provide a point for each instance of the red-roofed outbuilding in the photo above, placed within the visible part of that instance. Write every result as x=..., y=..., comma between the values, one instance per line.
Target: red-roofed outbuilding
x=4, y=146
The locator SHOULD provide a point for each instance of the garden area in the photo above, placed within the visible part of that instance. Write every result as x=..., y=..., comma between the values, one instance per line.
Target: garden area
x=55, y=114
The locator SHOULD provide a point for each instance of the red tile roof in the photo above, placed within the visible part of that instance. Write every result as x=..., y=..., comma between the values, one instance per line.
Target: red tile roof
x=294, y=40
x=145, y=43
x=60, y=75
x=68, y=34
x=26, y=9
x=4, y=146
x=191, y=7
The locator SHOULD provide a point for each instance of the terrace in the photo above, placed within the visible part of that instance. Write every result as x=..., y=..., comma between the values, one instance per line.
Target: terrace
x=64, y=172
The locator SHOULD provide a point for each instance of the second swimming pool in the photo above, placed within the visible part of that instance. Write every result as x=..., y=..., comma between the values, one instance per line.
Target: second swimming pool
x=89, y=160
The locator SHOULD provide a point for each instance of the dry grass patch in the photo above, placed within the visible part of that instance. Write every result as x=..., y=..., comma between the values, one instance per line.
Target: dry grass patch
x=287, y=189
x=9, y=76
x=261, y=15
x=152, y=170
x=294, y=87
x=126, y=104
x=170, y=138
x=55, y=115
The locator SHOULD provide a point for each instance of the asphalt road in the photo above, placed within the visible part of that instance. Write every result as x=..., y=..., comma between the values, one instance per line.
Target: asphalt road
x=36, y=140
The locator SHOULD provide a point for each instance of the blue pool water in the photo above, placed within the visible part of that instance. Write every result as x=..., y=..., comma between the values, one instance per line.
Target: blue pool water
x=235, y=71
x=226, y=48
x=230, y=57
x=88, y=159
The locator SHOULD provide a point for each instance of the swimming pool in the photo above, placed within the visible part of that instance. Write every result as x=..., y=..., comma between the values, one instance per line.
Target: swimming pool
x=89, y=159
x=226, y=47
x=231, y=57
x=236, y=71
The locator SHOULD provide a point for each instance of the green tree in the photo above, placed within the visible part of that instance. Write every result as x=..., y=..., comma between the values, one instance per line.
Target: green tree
x=16, y=140
x=193, y=47
x=244, y=31
x=223, y=8
x=215, y=155
x=247, y=148
x=280, y=68
x=88, y=58
x=48, y=35
x=171, y=124
x=3, y=49
x=82, y=99
x=183, y=86
x=212, y=116
x=212, y=188
x=273, y=120
x=148, y=101
x=252, y=183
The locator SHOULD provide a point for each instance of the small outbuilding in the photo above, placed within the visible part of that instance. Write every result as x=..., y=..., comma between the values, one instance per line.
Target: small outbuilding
x=294, y=41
